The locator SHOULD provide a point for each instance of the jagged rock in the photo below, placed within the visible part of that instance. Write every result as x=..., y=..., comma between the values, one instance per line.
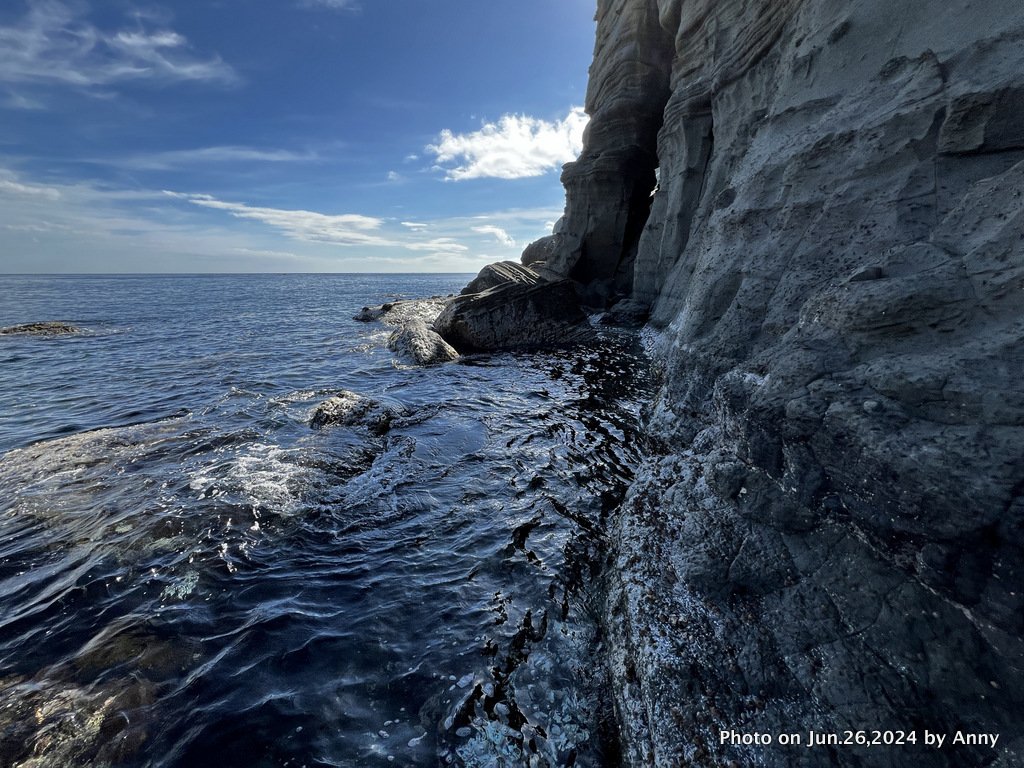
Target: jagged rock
x=514, y=315
x=835, y=250
x=501, y=273
x=542, y=251
x=421, y=344
x=609, y=187
x=349, y=409
x=49, y=328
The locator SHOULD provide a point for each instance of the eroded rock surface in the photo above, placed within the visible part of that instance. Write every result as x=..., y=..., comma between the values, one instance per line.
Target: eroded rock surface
x=833, y=535
x=501, y=273
x=514, y=315
x=421, y=344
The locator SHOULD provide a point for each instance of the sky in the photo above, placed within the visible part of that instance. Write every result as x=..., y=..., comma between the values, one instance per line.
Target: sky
x=285, y=135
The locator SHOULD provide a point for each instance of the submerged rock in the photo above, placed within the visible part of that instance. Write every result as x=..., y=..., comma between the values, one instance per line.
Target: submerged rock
x=48, y=328
x=515, y=315
x=421, y=344
x=501, y=273
x=348, y=409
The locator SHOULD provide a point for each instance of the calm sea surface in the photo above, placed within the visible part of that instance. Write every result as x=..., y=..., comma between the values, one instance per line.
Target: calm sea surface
x=191, y=576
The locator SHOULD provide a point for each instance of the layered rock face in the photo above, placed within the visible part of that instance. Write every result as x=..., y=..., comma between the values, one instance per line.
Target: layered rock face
x=609, y=188
x=833, y=536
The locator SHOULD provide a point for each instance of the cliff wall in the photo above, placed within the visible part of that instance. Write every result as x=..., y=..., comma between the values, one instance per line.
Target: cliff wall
x=833, y=534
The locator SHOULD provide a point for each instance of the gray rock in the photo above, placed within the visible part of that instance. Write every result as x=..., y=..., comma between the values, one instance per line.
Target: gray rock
x=349, y=409
x=501, y=273
x=49, y=328
x=835, y=251
x=542, y=251
x=371, y=314
x=398, y=313
x=628, y=313
x=422, y=345
x=514, y=315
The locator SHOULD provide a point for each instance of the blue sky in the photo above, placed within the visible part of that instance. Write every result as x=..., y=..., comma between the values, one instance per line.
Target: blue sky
x=285, y=135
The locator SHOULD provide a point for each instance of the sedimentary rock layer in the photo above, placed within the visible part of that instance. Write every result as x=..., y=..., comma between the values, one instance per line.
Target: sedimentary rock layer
x=833, y=535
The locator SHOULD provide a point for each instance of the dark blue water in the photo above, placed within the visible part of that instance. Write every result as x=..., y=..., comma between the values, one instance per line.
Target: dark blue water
x=191, y=576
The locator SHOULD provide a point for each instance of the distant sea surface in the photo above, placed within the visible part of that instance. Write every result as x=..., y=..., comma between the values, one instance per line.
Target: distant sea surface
x=192, y=576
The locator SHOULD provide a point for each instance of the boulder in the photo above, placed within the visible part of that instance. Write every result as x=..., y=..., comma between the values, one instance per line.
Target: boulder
x=542, y=251
x=501, y=273
x=515, y=315
x=348, y=409
x=627, y=313
x=421, y=344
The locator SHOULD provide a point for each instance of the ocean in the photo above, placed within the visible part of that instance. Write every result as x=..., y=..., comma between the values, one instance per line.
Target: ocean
x=190, y=575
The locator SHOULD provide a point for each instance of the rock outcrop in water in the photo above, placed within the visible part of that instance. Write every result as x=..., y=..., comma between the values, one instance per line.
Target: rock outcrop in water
x=349, y=409
x=515, y=315
x=833, y=536
x=48, y=328
x=421, y=344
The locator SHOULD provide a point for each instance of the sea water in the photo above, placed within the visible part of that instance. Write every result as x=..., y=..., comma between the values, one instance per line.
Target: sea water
x=190, y=575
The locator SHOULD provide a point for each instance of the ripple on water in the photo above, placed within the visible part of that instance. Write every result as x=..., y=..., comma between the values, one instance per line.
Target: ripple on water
x=230, y=582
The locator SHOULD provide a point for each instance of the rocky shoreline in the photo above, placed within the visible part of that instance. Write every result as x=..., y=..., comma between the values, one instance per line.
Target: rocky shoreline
x=830, y=536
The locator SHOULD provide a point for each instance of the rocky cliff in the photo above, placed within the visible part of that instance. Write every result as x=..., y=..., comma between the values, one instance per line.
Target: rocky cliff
x=833, y=534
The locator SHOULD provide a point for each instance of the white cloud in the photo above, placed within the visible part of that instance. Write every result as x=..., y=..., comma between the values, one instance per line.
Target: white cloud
x=11, y=187
x=500, y=234
x=515, y=147
x=53, y=44
x=67, y=226
x=343, y=229
x=160, y=161
x=22, y=102
x=438, y=245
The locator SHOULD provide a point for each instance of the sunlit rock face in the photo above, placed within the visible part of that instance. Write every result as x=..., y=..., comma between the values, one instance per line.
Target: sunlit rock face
x=835, y=250
x=609, y=187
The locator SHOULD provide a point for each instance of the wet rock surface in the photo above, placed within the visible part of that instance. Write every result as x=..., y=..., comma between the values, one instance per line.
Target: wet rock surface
x=398, y=313
x=49, y=328
x=348, y=409
x=628, y=313
x=515, y=315
x=830, y=535
x=420, y=344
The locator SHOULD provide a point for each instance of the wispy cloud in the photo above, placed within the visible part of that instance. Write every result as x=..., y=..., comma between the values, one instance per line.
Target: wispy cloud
x=54, y=44
x=11, y=186
x=22, y=102
x=342, y=229
x=169, y=159
x=438, y=245
x=500, y=234
x=49, y=225
x=334, y=5
x=515, y=147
